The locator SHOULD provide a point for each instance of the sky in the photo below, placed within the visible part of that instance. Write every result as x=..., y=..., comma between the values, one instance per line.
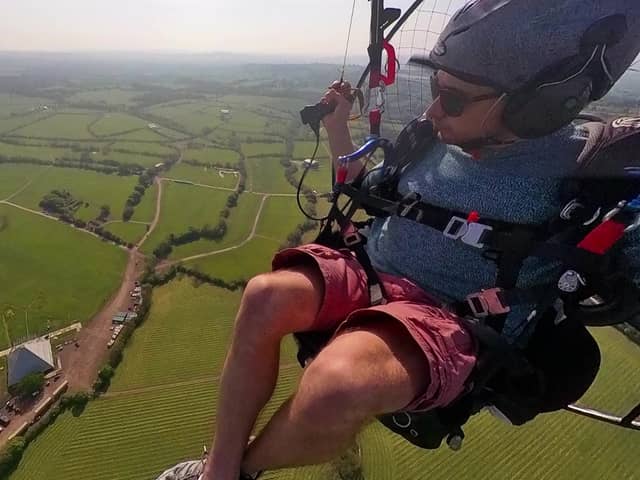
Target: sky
x=317, y=28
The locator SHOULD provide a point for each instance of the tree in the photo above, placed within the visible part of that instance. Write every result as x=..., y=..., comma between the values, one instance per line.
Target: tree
x=29, y=384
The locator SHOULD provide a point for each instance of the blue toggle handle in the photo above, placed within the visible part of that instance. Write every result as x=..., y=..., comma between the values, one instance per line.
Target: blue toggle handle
x=367, y=149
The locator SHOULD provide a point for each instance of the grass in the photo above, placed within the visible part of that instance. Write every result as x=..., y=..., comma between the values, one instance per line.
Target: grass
x=114, y=123
x=280, y=216
x=317, y=178
x=146, y=209
x=59, y=275
x=204, y=175
x=258, y=149
x=64, y=126
x=15, y=122
x=193, y=116
x=239, y=226
x=39, y=152
x=95, y=189
x=185, y=206
x=14, y=177
x=212, y=155
x=130, y=232
x=303, y=150
x=142, y=135
x=266, y=175
x=144, y=147
x=18, y=104
x=107, y=96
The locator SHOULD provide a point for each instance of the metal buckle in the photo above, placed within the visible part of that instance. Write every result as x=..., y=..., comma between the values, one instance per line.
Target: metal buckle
x=487, y=302
x=351, y=239
x=574, y=205
x=612, y=213
x=375, y=295
x=459, y=228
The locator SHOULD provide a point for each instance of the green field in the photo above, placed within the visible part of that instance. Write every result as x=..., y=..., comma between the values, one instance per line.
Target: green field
x=239, y=225
x=204, y=175
x=142, y=135
x=39, y=152
x=55, y=273
x=266, y=175
x=318, y=178
x=194, y=117
x=303, y=150
x=129, y=232
x=185, y=206
x=242, y=263
x=259, y=149
x=144, y=147
x=114, y=123
x=107, y=96
x=146, y=209
x=15, y=122
x=64, y=126
x=212, y=155
x=19, y=104
x=14, y=177
x=280, y=216
x=95, y=189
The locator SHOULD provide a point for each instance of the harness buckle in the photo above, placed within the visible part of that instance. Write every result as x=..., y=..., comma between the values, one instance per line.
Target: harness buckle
x=351, y=238
x=569, y=209
x=487, y=302
x=619, y=208
x=375, y=295
x=407, y=204
x=472, y=234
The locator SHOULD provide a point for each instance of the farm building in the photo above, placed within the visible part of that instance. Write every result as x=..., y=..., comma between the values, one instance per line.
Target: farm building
x=311, y=163
x=121, y=317
x=31, y=357
x=225, y=114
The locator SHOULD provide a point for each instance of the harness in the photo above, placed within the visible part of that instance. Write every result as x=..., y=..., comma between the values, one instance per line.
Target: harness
x=559, y=359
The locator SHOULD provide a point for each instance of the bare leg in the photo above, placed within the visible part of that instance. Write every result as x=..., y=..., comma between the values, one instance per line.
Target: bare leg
x=272, y=306
x=364, y=372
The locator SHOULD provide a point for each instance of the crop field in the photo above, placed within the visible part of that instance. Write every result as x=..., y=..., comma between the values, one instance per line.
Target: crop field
x=39, y=152
x=260, y=149
x=280, y=216
x=67, y=126
x=145, y=210
x=128, y=231
x=107, y=96
x=318, y=178
x=185, y=206
x=143, y=147
x=241, y=263
x=56, y=274
x=212, y=155
x=114, y=123
x=95, y=189
x=142, y=135
x=266, y=175
x=303, y=150
x=19, y=104
x=239, y=225
x=194, y=117
x=14, y=123
x=14, y=177
x=204, y=175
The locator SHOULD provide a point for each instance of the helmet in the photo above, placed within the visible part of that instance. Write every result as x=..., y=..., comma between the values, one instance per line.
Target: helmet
x=550, y=57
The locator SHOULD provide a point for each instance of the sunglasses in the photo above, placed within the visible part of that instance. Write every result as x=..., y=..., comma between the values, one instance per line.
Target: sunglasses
x=453, y=102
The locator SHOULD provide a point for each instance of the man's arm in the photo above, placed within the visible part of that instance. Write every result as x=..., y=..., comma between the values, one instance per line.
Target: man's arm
x=336, y=126
x=630, y=263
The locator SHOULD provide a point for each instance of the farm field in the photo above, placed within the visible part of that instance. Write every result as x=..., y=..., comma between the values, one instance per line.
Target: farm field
x=266, y=175
x=194, y=117
x=318, y=177
x=14, y=177
x=304, y=150
x=144, y=147
x=128, y=231
x=185, y=206
x=261, y=149
x=241, y=263
x=39, y=152
x=114, y=123
x=19, y=104
x=107, y=96
x=95, y=189
x=57, y=274
x=203, y=175
x=142, y=135
x=145, y=210
x=212, y=155
x=68, y=126
x=280, y=216
x=239, y=226
x=13, y=123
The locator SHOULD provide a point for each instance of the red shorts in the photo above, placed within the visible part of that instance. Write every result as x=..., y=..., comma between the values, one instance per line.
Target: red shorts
x=449, y=348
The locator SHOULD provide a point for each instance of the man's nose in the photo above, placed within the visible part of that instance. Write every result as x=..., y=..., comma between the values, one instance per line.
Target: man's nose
x=435, y=111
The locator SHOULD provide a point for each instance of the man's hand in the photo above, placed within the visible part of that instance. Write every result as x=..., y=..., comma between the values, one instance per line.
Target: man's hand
x=339, y=95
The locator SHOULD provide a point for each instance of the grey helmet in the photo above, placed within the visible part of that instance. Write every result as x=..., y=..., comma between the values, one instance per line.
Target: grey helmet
x=551, y=57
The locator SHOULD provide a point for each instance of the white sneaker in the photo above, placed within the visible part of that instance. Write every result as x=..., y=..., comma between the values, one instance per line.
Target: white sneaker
x=184, y=471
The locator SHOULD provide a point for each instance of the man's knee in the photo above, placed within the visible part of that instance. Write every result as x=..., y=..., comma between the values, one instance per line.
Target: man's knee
x=330, y=396
x=283, y=301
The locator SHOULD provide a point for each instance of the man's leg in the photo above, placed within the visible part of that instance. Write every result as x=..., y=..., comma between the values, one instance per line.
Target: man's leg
x=273, y=305
x=365, y=371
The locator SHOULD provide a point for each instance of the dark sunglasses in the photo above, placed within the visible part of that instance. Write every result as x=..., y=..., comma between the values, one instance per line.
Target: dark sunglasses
x=454, y=102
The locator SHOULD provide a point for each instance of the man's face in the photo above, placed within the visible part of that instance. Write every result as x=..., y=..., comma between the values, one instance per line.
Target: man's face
x=479, y=119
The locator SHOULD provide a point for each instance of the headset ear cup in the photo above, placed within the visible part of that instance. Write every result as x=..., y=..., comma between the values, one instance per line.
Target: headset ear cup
x=541, y=111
